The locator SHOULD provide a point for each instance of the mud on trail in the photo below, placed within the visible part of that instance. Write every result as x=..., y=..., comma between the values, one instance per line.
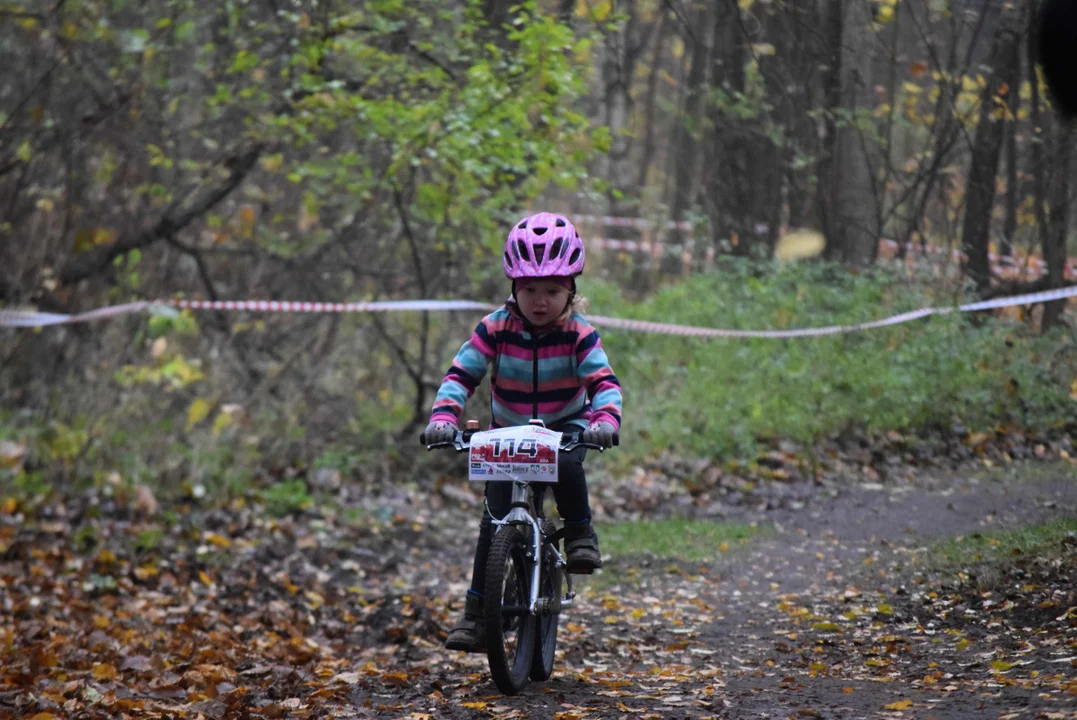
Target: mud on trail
x=833, y=614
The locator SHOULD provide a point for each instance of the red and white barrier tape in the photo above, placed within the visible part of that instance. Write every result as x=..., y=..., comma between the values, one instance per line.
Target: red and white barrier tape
x=20, y=318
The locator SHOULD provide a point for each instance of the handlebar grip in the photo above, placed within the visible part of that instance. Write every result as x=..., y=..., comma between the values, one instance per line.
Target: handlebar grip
x=422, y=438
x=616, y=439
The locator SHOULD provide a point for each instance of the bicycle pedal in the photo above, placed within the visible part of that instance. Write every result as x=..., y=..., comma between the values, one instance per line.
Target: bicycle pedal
x=581, y=571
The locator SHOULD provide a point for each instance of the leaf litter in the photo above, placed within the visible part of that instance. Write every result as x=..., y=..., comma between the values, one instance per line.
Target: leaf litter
x=229, y=613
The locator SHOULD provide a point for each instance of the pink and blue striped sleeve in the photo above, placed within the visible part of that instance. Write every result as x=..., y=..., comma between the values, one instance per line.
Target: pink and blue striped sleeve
x=467, y=371
x=598, y=377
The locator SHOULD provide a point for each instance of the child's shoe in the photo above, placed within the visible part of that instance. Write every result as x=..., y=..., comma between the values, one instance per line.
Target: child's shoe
x=581, y=547
x=469, y=634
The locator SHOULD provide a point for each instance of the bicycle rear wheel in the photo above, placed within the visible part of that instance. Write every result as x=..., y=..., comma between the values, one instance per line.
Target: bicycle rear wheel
x=510, y=626
x=546, y=625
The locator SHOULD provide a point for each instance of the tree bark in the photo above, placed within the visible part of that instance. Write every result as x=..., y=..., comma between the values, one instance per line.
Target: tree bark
x=687, y=153
x=1051, y=185
x=986, y=151
x=649, y=110
x=1054, y=251
x=849, y=201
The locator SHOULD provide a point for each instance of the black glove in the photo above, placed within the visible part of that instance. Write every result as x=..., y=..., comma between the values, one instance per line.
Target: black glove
x=439, y=432
x=600, y=433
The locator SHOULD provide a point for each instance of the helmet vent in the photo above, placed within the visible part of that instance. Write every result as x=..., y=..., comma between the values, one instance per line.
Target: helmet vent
x=539, y=230
x=521, y=250
x=560, y=222
x=508, y=260
x=557, y=249
x=575, y=256
x=540, y=251
x=523, y=225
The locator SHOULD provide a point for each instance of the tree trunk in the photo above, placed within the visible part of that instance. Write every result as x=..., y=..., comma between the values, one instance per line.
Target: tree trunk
x=1013, y=194
x=1051, y=188
x=688, y=156
x=1054, y=250
x=986, y=151
x=647, y=158
x=850, y=202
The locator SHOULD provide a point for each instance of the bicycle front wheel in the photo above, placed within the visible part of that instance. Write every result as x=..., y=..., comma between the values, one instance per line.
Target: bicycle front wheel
x=510, y=626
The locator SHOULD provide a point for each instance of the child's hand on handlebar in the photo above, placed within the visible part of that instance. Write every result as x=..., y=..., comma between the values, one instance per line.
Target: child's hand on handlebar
x=439, y=432
x=600, y=433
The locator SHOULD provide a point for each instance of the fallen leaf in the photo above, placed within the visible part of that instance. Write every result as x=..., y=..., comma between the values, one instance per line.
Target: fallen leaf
x=102, y=671
x=899, y=705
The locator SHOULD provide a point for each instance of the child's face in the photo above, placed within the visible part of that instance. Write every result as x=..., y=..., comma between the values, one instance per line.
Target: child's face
x=542, y=301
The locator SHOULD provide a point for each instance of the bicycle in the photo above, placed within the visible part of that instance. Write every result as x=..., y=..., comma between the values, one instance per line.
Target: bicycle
x=524, y=570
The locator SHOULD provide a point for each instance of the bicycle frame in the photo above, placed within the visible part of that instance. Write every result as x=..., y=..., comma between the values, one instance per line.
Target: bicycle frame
x=521, y=492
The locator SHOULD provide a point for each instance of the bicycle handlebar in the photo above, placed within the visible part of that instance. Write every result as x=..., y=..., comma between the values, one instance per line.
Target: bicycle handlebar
x=569, y=441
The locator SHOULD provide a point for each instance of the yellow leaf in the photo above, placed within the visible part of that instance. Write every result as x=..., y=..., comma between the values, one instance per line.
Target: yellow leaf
x=474, y=705
x=961, y=645
x=1000, y=665
x=197, y=412
x=911, y=87
x=43, y=716
x=205, y=578
x=9, y=506
x=102, y=671
x=884, y=609
x=745, y=4
x=272, y=163
x=1073, y=390
x=899, y=705
x=601, y=10
x=146, y=571
x=678, y=48
x=218, y=540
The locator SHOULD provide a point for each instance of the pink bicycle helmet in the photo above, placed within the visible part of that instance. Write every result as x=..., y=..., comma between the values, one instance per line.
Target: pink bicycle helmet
x=543, y=245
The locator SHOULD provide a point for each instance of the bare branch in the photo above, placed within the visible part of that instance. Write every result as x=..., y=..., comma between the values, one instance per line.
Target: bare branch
x=92, y=262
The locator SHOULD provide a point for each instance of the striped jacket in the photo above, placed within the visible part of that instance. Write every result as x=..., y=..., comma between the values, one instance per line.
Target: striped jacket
x=560, y=375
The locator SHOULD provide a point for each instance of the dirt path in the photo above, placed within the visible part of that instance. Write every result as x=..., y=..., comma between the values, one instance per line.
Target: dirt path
x=792, y=627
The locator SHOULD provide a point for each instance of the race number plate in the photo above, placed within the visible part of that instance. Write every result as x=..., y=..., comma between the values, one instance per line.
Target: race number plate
x=527, y=453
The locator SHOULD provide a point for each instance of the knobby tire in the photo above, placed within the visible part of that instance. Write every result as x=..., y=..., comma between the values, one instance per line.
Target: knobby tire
x=510, y=641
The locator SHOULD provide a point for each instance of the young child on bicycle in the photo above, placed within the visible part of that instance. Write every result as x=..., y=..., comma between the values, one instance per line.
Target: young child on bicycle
x=548, y=364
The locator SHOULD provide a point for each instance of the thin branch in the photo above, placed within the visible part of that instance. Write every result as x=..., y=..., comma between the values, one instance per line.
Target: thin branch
x=93, y=261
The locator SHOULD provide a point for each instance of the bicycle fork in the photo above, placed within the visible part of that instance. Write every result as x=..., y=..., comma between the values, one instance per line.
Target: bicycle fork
x=519, y=515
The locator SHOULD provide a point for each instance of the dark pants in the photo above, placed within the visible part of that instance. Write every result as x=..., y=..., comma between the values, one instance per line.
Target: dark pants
x=570, y=493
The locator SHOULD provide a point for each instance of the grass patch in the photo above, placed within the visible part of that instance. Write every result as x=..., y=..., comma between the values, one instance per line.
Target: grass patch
x=675, y=538
x=718, y=398
x=1001, y=547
